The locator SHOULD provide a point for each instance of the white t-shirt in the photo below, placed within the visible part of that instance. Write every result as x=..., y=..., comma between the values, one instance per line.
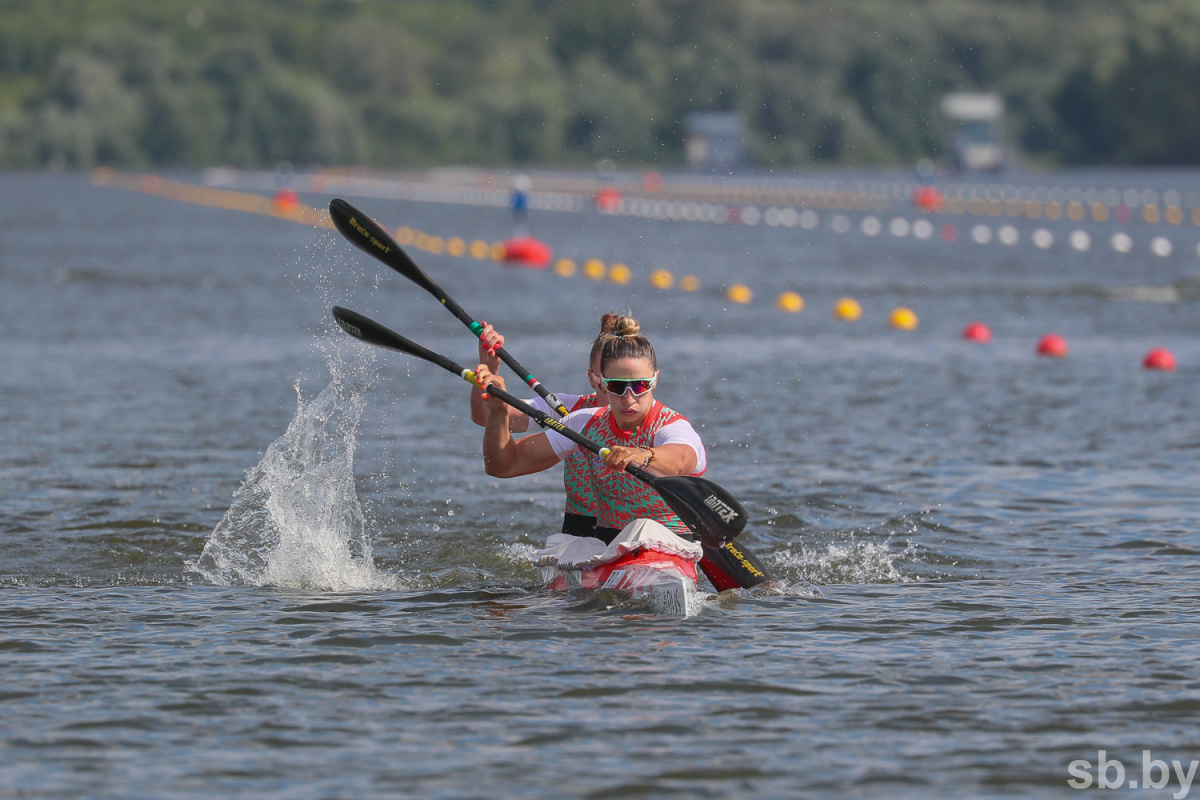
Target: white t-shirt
x=679, y=431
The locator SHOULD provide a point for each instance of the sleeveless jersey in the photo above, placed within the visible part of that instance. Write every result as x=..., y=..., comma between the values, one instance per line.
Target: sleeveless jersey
x=620, y=498
x=577, y=481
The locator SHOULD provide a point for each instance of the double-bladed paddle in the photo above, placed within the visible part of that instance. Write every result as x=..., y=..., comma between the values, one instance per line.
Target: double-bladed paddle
x=370, y=237
x=712, y=513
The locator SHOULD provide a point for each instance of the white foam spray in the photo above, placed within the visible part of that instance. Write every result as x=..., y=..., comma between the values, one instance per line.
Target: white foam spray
x=296, y=521
x=856, y=562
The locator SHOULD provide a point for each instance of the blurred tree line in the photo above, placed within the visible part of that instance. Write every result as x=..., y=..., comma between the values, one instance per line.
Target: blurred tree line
x=415, y=82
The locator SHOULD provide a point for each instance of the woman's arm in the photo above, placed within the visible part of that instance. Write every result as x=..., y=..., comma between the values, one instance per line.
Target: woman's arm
x=677, y=450
x=504, y=456
x=669, y=459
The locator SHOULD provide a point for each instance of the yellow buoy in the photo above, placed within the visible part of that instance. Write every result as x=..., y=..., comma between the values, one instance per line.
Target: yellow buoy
x=456, y=247
x=564, y=267
x=904, y=319
x=480, y=249
x=739, y=293
x=405, y=235
x=620, y=274
x=790, y=302
x=498, y=250
x=594, y=268
x=689, y=283
x=847, y=309
x=435, y=245
x=662, y=279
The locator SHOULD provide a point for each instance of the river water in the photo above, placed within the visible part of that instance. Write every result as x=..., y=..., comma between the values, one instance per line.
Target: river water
x=242, y=555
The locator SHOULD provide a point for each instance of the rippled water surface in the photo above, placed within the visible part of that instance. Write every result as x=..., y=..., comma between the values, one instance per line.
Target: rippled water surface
x=242, y=555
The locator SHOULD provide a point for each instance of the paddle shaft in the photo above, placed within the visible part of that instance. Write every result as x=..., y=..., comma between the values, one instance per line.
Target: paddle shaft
x=370, y=237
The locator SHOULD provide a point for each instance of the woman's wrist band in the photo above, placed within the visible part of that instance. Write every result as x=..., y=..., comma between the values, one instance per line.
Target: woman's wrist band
x=649, y=456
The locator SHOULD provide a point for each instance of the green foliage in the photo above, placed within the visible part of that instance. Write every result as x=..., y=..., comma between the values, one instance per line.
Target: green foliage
x=420, y=82
x=1137, y=100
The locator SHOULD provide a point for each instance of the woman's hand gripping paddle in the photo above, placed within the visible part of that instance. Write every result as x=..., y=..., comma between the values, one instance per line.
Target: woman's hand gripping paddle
x=713, y=514
x=370, y=237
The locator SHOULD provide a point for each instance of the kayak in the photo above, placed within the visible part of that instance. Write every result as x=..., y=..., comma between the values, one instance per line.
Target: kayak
x=645, y=562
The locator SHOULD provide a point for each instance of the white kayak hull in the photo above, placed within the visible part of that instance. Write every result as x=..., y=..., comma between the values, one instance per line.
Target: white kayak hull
x=646, y=563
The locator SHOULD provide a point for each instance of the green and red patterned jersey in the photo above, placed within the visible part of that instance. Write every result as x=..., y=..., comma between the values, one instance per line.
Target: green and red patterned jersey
x=619, y=498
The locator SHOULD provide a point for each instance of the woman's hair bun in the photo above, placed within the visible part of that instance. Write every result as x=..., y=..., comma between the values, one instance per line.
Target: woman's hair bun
x=619, y=325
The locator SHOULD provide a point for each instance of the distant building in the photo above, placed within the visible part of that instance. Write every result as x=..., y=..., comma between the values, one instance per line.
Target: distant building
x=715, y=141
x=977, y=140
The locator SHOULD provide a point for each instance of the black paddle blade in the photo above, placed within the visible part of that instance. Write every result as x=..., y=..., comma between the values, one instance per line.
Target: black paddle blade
x=368, y=330
x=370, y=237
x=732, y=566
x=713, y=514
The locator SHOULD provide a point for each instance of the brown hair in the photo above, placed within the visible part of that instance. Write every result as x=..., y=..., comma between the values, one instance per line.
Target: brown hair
x=621, y=337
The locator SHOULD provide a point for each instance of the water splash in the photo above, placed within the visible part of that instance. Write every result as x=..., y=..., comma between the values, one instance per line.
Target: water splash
x=856, y=562
x=296, y=521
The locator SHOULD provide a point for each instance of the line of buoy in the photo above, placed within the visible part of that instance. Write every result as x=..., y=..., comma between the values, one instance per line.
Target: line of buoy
x=285, y=204
x=1053, y=345
x=740, y=196
x=899, y=227
x=848, y=309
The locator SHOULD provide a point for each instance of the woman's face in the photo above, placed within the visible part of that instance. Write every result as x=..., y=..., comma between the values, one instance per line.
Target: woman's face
x=629, y=411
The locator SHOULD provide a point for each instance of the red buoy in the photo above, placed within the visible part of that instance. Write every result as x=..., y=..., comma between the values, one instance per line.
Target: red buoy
x=977, y=332
x=286, y=201
x=1159, y=358
x=927, y=198
x=526, y=251
x=608, y=200
x=1052, y=345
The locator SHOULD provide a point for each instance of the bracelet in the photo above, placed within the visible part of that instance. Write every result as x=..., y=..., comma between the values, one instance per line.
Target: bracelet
x=649, y=456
